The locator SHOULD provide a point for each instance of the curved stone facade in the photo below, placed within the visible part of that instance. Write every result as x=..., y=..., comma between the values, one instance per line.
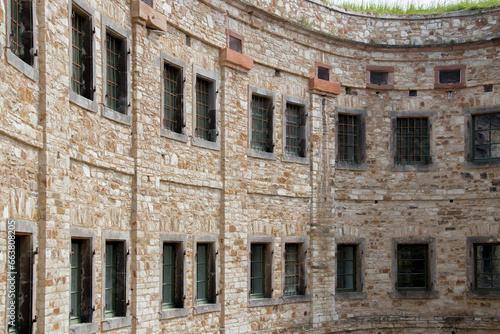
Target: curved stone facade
x=385, y=154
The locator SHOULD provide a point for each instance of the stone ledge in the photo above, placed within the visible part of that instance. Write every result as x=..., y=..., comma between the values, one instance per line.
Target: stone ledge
x=316, y=84
x=152, y=18
x=228, y=56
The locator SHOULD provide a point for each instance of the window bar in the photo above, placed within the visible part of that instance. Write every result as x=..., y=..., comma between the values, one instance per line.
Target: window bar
x=170, y=107
x=293, y=118
x=202, y=109
x=77, y=30
x=260, y=121
x=112, y=71
x=348, y=138
x=292, y=275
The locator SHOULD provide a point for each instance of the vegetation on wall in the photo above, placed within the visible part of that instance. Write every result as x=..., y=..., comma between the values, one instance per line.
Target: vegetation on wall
x=407, y=8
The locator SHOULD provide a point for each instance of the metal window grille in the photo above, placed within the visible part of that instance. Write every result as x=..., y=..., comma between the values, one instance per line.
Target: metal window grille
x=486, y=142
x=294, y=115
x=148, y=2
x=323, y=73
x=235, y=44
x=21, y=31
x=348, y=138
x=346, y=268
x=171, y=101
x=292, y=270
x=412, y=141
x=110, y=279
x=168, y=280
x=76, y=282
x=258, y=271
x=203, y=120
x=112, y=72
x=260, y=123
x=202, y=286
x=487, y=266
x=77, y=80
x=413, y=267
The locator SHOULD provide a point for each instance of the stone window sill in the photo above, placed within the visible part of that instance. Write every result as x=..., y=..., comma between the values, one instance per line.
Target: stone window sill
x=413, y=168
x=350, y=295
x=296, y=299
x=349, y=166
x=114, y=323
x=262, y=155
x=85, y=328
x=414, y=294
x=174, y=135
x=116, y=116
x=206, y=308
x=211, y=145
x=173, y=313
x=295, y=159
x=258, y=302
x=82, y=102
x=29, y=71
x=484, y=294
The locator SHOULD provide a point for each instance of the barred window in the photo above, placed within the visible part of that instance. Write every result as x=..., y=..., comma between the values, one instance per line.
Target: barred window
x=173, y=87
x=296, y=141
x=115, y=279
x=413, y=267
x=486, y=137
x=346, y=268
x=21, y=30
x=116, y=74
x=348, y=128
x=206, y=123
x=262, y=124
x=412, y=141
x=82, y=57
x=258, y=271
x=235, y=44
x=292, y=270
x=487, y=267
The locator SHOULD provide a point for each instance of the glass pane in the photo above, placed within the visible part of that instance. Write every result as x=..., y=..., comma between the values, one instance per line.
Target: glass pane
x=495, y=151
x=481, y=137
x=481, y=122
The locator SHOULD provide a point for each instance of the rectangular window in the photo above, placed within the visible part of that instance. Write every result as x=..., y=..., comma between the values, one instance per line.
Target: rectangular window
x=412, y=141
x=173, y=273
x=346, y=268
x=486, y=137
x=413, y=267
x=235, y=44
x=323, y=73
x=21, y=30
x=258, y=271
x=81, y=281
x=20, y=296
x=262, y=124
x=115, y=279
x=449, y=77
x=487, y=267
x=348, y=128
x=206, y=124
x=116, y=74
x=292, y=270
x=379, y=78
x=296, y=141
x=205, y=273
x=82, y=55
x=173, y=88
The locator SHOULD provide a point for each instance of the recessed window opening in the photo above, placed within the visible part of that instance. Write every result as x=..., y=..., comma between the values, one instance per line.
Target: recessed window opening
x=258, y=271
x=323, y=73
x=81, y=281
x=277, y=73
x=21, y=32
x=293, y=274
x=447, y=77
x=205, y=111
x=173, y=98
x=235, y=44
x=348, y=137
x=488, y=88
x=486, y=137
x=346, y=268
x=412, y=93
x=413, y=271
x=487, y=267
x=205, y=273
x=172, y=280
x=262, y=124
x=412, y=146
x=115, y=279
x=295, y=130
x=82, y=57
x=116, y=74
x=379, y=78
x=188, y=40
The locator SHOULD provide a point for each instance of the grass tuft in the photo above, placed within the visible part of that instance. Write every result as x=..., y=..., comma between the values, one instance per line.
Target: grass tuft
x=406, y=8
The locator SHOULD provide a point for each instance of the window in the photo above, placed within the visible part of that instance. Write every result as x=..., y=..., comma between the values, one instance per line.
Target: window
x=414, y=268
x=21, y=30
x=262, y=125
x=350, y=138
x=486, y=137
x=205, y=117
x=487, y=267
x=260, y=274
x=258, y=271
x=81, y=281
x=413, y=263
x=82, y=54
x=115, y=72
x=323, y=73
x=293, y=270
x=346, y=268
x=173, y=99
x=261, y=140
x=205, y=273
x=115, y=279
x=380, y=77
x=295, y=144
x=411, y=140
x=350, y=268
x=234, y=41
x=20, y=280
x=449, y=76
x=172, y=275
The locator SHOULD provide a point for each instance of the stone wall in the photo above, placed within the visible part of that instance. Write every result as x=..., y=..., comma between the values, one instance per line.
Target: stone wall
x=63, y=166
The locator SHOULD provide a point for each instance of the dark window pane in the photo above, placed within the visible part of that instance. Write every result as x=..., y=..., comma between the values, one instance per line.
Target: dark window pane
x=379, y=78
x=449, y=76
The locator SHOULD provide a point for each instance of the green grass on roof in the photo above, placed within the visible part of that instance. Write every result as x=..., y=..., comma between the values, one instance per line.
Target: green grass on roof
x=438, y=7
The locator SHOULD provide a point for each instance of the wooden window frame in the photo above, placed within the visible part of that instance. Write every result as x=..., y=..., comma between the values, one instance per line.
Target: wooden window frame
x=270, y=150
x=359, y=267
